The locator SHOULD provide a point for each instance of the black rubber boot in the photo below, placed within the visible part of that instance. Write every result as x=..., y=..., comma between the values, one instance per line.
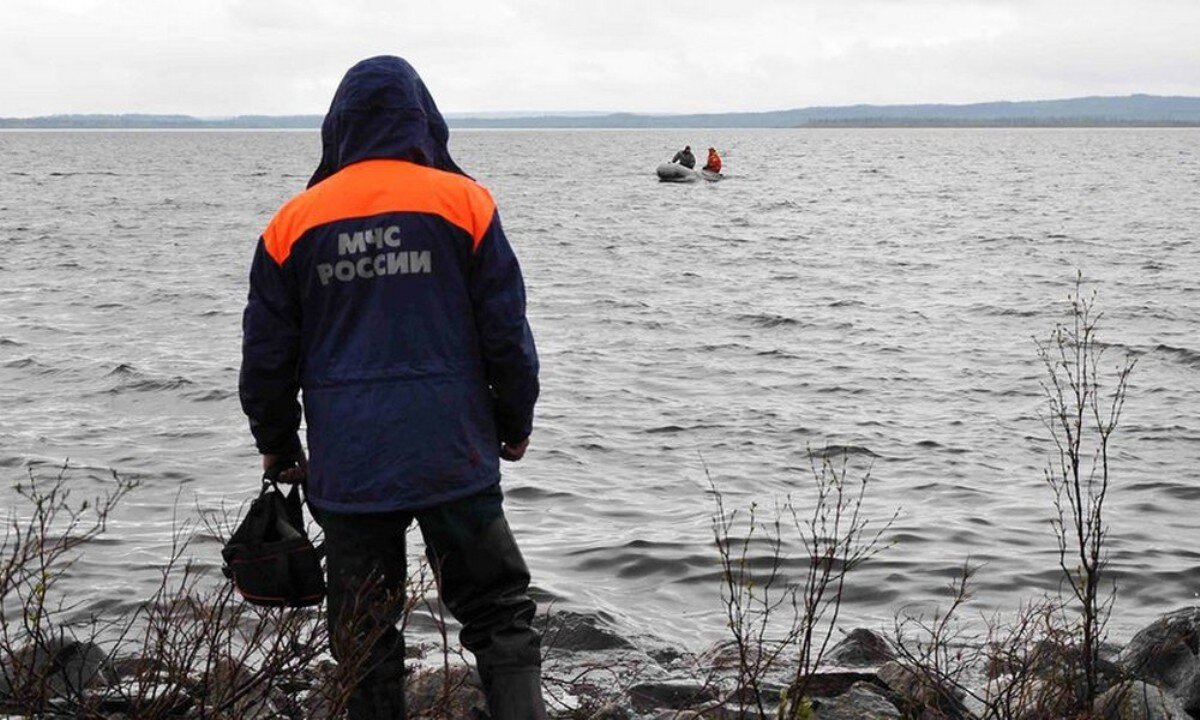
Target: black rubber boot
x=485, y=584
x=515, y=694
x=384, y=701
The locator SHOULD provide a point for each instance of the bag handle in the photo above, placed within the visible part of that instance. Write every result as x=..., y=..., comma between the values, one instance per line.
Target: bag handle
x=293, y=500
x=270, y=479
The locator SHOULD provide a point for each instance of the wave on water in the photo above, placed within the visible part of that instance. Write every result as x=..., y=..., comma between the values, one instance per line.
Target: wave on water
x=786, y=204
x=640, y=558
x=672, y=429
x=91, y=173
x=213, y=395
x=768, y=320
x=532, y=493
x=1007, y=311
x=899, y=330
x=1191, y=358
x=836, y=451
x=123, y=369
x=707, y=347
x=152, y=385
x=35, y=366
x=940, y=447
x=130, y=379
x=1187, y=493
x=777, y=353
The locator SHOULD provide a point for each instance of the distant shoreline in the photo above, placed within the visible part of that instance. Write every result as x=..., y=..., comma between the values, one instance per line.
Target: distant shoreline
x=1148, y=111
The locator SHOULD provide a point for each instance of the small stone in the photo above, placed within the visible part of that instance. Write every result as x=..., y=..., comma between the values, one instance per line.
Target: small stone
x=863, y=700
x=455, y=694
x=611, y=711
x=718, y=713
x=666, y=655
x=674, y=694
x=835, y=682
x=675, y=715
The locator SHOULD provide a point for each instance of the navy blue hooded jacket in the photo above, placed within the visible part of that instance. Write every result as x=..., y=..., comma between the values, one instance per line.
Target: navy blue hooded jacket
x=389, y=296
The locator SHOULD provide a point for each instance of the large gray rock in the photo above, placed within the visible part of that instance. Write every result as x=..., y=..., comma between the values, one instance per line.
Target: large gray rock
x=860, y=648
x=1167, y=653
x=1137, y=700
x=577, y=632
x=831, y=683
x=921, y=694
x=726, y=656
x=860, y=702
x=57, y=668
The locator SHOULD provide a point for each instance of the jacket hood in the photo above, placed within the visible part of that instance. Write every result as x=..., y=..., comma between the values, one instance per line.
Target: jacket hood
x=382, y=110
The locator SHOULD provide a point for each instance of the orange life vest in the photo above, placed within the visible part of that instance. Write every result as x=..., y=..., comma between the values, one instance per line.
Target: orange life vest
x=714, y=161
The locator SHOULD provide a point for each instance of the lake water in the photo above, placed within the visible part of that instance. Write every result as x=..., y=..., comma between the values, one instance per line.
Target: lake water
x=877, y=290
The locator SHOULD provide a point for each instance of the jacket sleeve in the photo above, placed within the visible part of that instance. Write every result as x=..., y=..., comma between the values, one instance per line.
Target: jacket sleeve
x=505, y=340
x=268, y=384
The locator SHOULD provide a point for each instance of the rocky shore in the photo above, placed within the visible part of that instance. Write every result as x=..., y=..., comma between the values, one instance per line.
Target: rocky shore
x=593, y=672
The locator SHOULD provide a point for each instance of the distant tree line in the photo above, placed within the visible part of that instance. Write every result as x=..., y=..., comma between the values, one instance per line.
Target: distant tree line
x=1131, y=111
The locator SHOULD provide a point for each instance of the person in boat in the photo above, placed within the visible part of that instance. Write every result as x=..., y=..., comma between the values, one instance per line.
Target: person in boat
x=390, y=299
x=714, y=161
x=685, y=157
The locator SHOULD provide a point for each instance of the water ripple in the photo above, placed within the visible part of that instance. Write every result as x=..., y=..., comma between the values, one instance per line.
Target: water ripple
x=869, y=295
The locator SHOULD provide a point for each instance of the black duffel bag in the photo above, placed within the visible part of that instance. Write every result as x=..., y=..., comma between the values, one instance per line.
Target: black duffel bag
x=270, y=557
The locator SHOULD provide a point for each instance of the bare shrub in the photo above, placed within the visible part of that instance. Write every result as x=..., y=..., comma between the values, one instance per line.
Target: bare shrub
x=1082, y=416
x=1044, y=664
x=773, y=617
x=193, y=646
x=1006, y=668
x=938, y=651
x=38, y=548
x=1029, y=674
x=752, y=602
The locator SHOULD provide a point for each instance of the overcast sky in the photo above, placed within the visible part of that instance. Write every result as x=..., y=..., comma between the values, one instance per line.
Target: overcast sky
x=228, y=57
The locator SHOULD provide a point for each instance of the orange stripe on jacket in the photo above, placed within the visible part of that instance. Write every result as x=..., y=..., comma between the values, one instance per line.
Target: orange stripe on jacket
x=373, y=187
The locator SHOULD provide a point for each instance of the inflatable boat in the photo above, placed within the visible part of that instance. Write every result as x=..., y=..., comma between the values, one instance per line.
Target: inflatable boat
x=674, y=172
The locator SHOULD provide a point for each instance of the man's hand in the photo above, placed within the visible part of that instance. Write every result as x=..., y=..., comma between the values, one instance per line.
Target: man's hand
x=296, y=469
x=513, y=453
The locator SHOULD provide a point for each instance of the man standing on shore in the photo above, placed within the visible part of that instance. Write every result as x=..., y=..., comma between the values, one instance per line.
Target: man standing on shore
x=388, y=294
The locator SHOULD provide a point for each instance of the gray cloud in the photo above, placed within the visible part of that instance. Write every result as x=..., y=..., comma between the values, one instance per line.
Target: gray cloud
x=224, y=57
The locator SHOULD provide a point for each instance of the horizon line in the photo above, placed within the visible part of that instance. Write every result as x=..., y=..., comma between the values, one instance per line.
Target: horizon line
x=525, y=114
